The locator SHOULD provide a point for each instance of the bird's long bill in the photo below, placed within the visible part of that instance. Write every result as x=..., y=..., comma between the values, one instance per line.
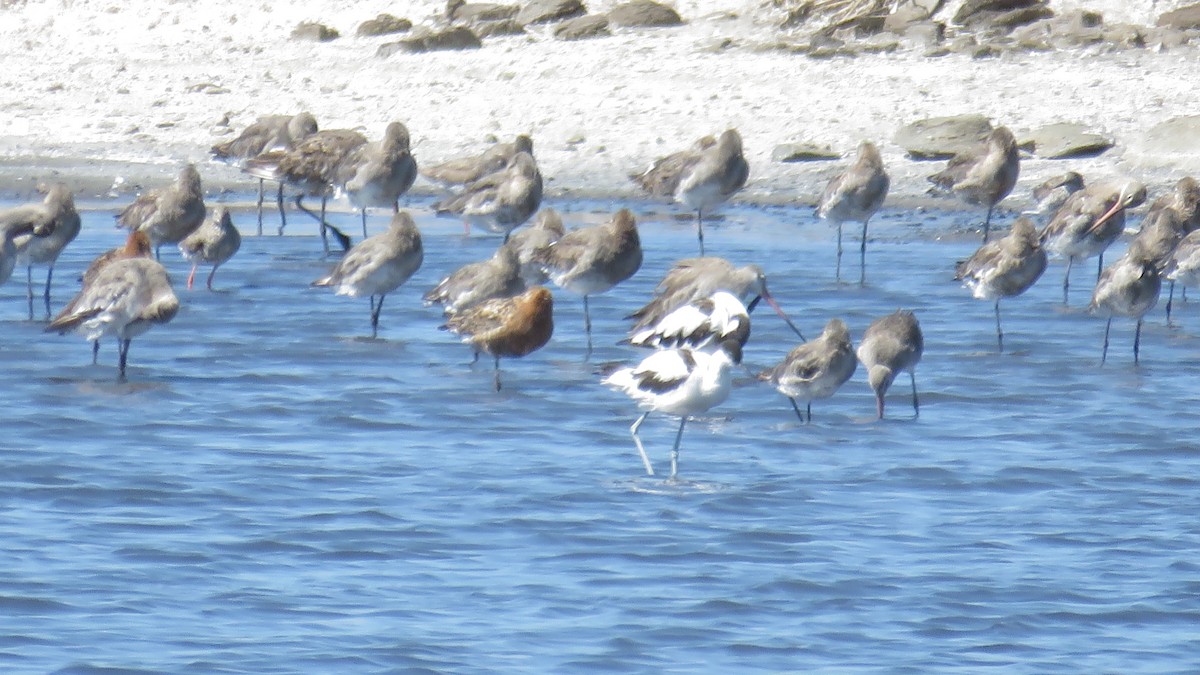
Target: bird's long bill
x=1104, y=218
x=778, y=310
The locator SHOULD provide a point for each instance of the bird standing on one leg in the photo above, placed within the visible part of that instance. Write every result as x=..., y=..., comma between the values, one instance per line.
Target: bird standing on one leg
x=378, y=265
x=984, y=176
x=1004, y=268
x=592, y=260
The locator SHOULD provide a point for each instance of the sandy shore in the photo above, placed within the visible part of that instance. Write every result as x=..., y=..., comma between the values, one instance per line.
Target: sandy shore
x=113, y=96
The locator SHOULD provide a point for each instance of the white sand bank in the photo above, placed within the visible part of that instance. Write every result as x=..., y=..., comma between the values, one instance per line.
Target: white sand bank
x=147, y=82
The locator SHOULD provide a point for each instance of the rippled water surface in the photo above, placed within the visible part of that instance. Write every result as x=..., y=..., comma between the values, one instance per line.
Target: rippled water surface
x=272, y=492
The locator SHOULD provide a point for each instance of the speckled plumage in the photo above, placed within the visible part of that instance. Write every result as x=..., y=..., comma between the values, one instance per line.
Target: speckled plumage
x=213, y=243
x=815, y=370
x=126, y=298
x=167, y=214
x=984, y=176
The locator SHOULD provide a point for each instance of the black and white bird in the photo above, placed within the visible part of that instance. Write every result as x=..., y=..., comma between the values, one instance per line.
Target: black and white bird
x=702, y=325
x=678, y=382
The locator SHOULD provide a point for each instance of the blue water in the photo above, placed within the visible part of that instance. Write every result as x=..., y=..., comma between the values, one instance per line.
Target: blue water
x=271, y=492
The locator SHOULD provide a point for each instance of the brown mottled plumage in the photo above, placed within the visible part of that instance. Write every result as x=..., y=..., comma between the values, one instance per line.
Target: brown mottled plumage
x=381, y=173
x=465, y=170
x=546, y=229
x=125, y=299
x=212, y=243
x=984, y=176
x=500, y=201
x=167, y=214
x=39, y=233
x=471, y=284
x=1004, y=268
x=268, y=133
x=815, y=370
x=1129, y=287
x=855, y=194
x=592, y=260
x=1090, y=221
x=514, y=326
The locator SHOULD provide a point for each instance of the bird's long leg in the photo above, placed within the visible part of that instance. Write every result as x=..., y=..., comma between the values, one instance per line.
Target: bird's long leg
x=46, y=295
x=157, y=248
x=192, y=276
x=364, y=221
x=324, y=234
x=1170, y=297
x=1104, y=352
x=916, y=401
x=211, y=274
x=1137, y=341
x=999, y=333
x=279, y=203
x=1067, y=278
x=95, y=351
x=1099, y=265
x=638, y=442
x=587, y=326
x=497, y=358
x=261, y=190
x=675, y=448
x=862, y=256
x=122, y=358
x=808, y=410
x=700, y=229
x=987, y=223
x=29, y=287
x=375, y=310
x=796, y=408
x=837, y=268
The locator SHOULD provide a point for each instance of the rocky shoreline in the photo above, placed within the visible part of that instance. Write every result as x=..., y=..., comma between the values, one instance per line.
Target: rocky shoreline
x=113, y=98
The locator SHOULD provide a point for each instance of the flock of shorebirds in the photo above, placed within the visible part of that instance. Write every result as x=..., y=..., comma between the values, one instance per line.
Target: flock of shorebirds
x=698, y=320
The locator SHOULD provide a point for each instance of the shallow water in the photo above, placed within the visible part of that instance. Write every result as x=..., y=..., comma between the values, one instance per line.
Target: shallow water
x=273, y=492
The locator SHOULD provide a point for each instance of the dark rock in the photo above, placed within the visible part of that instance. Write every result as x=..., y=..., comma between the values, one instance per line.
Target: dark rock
x=1065, y=140
x=943, y=137
x=486, y=29
x=971, y=10
x=1020, y=17
x=1184, y=18
x=429, y=41
x=643, y=14
x=546, y=11
x=802, y=152
x=879, y=44
x=316, y=32
x=384, y=24
x=582, y=27
x=471, y=13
